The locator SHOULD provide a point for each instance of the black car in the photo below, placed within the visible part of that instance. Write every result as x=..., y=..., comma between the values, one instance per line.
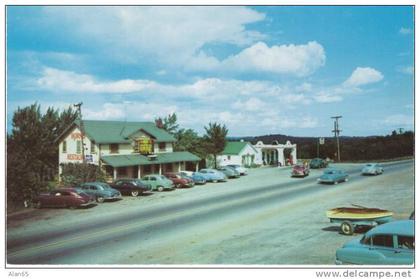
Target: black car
x=130, y=186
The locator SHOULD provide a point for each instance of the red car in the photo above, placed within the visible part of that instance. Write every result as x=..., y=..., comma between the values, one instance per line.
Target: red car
x=300, y=171
x=64, y=197
x=179, y=181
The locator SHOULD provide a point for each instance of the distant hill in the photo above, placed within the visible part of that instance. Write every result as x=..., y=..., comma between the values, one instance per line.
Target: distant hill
x=351, y=148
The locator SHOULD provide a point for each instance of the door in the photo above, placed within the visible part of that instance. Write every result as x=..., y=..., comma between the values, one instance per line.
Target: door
x=404, y=251
x=383, y=247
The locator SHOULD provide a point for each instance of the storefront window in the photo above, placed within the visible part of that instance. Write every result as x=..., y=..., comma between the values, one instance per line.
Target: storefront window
x=92, y=147
x=162, y=146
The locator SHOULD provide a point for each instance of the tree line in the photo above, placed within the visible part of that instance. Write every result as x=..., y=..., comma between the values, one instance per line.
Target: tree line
x=394, y=145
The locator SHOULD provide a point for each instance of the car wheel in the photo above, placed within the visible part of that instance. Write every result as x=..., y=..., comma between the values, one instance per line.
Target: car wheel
x=72, y=207
x=38, y=204
x=347, y=228
x=100, y=199
x=134, y=193
x=214, y=180
x=160, y=188
x=335, y=182
x=346, y=179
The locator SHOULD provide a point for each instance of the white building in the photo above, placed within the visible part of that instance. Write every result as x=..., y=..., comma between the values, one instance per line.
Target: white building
x=123, y=149
x=238, y=153
x=274, y=153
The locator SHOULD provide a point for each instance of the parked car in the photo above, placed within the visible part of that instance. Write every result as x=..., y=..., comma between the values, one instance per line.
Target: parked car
x=242, y=170
x=318, y=163
x=64, y=197
x=100, y=191
x=373, y=169
x=229, y=172
x=388, y=244
x=130, y=186
x=187, y=173
x=300, y=170
x=195, y=176
x=178, y=180
x=213, y=175
x=158, y=182
x=333, y=176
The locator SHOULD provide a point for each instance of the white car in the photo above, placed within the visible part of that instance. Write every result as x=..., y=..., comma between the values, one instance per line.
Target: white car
x=242, y=170
x=187, y=173
x=372, y=168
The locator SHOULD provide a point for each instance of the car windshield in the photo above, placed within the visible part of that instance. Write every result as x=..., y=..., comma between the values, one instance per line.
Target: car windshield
x=369, y=165
x=162, y=177
x=329, y=172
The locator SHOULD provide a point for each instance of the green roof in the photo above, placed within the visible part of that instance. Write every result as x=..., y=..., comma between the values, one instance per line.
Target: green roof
x=234, y=147
x=119, y=131
x=137, y=159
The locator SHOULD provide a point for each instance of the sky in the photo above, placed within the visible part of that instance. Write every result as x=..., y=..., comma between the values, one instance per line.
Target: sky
x=259, y=70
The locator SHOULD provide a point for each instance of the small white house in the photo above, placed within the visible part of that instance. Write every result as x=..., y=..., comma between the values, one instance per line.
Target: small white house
x=238, y=153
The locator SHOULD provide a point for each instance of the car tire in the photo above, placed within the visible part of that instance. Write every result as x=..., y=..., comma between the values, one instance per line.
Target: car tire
x=134, y=193
x=347, y=228
x=38, y=205
x=72, y=207
x=346, y=179
x=335, y=182
x=100, y=199
x=160, y=188
x=214, y=180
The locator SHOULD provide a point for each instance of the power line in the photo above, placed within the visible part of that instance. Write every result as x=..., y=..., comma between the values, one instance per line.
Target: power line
x=336, y=132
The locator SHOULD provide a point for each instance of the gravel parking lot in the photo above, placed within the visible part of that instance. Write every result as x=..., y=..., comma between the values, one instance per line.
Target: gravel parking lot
x=264, y=218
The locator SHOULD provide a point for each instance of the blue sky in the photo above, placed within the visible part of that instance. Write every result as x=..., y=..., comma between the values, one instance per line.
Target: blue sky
x=259, y=70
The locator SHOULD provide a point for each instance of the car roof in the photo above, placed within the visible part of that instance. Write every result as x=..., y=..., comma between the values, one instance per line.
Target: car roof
x=402, y=227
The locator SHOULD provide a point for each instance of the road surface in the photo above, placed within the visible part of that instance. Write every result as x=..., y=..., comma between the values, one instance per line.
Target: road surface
x=265, y=218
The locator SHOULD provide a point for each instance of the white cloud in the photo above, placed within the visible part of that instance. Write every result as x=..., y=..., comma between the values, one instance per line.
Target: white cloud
x=363, y=76
x=171, y=35
x=252, y=104
x=299, y=60
x=399, y=120
x=67, y=81
x=409, y=70
x=405, y=31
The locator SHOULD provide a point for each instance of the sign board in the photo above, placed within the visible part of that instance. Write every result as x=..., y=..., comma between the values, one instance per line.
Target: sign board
x=321, y=140
x=145, y=145
x=89, y=158
x=77, y=157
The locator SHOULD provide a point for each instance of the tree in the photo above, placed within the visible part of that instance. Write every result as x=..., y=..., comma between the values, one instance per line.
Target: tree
x=32, y=154
x=215, y=139
x=168, y=123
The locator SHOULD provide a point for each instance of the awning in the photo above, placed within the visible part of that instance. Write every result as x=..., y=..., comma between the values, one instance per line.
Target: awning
x=139, y=160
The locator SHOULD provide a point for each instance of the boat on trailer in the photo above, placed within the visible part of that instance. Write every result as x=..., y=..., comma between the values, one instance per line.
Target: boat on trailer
x=351, y=217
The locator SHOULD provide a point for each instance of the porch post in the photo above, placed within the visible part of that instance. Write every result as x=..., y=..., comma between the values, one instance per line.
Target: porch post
x=115, y=173
x=196, y=167
x=294, y=156
x=138, y=171
x=179, y=166
x=160, y=169
x=280, y=151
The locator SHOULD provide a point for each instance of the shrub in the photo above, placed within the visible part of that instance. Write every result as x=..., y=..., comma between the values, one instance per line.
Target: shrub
x=74, y=174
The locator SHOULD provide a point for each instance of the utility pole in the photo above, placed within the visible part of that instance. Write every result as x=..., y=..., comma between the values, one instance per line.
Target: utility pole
x=82, y=130
x=336, y=132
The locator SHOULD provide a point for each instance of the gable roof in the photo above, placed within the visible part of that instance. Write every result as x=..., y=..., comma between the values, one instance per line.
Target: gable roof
x=235, y=147
x=119, y=131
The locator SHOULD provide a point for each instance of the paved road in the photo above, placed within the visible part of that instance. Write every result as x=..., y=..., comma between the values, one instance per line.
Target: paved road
x=259, y=219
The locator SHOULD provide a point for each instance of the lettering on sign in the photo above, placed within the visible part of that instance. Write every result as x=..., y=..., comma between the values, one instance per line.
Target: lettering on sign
x=76, y=135
x=145, y=145
x=74, y=157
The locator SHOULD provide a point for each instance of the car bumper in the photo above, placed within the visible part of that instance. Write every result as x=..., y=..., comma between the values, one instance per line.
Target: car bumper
x=87, y=203
x=325, y=181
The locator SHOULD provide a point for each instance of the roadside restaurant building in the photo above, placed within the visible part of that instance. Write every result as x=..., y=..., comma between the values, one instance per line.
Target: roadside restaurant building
x=123, y=149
